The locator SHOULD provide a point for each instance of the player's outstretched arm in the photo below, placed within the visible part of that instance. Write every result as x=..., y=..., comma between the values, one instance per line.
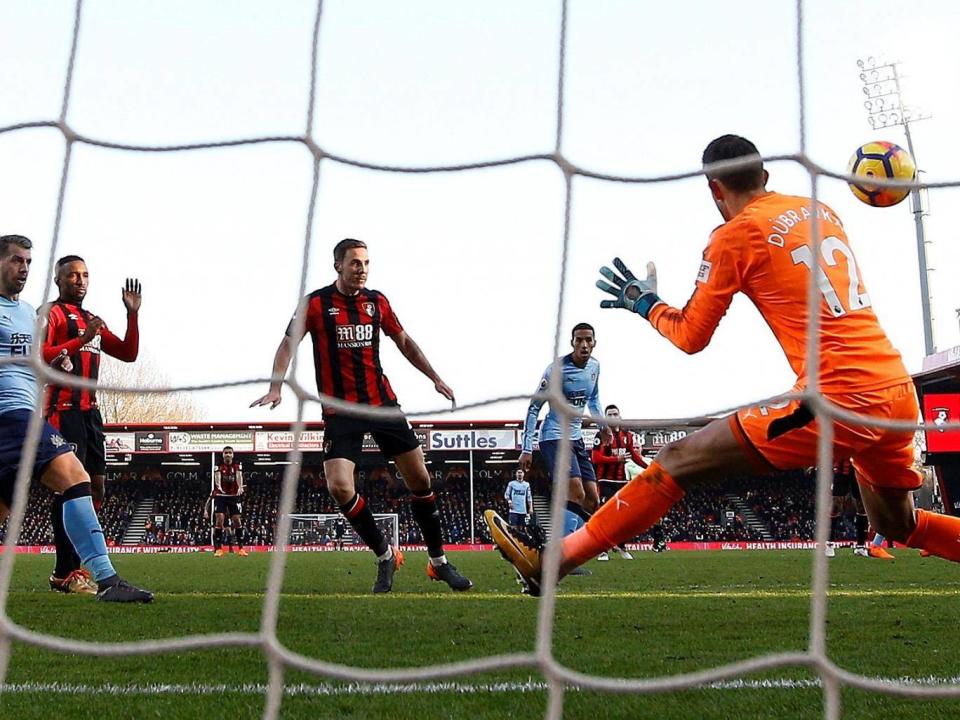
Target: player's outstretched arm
x=691, y=328
x=530, y=421
x=51, y=349
x=281, y=363
x=414, y=355
x=631, y=294
x=602, y=454
x=127, y=349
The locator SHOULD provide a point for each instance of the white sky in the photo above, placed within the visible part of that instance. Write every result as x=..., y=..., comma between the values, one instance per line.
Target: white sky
x=470, y=261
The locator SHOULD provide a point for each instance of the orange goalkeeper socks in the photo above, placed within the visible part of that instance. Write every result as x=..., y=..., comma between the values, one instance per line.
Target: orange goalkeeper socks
x=632, y=511
x=937, y=534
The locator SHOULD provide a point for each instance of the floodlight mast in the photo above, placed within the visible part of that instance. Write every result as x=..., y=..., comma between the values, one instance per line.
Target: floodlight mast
x=885, y=108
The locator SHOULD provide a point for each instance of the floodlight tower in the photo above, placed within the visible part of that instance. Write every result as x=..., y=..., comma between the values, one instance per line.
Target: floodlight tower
x=885, y=108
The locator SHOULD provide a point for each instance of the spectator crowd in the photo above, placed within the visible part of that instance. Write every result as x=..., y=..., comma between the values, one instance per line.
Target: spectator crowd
x=781, y=505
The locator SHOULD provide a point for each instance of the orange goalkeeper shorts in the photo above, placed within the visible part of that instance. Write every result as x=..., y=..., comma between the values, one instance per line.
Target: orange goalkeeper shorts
x=783, y=436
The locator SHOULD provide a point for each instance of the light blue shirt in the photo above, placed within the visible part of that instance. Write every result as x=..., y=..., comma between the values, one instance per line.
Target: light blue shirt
x=581, y=388
x=518, y=496
x=18, y=386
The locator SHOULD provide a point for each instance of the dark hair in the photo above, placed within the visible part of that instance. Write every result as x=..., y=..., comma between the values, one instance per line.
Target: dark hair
x=582, y=326
x=608, y=408
x=228, y=448
x=19, y=240
x=68, y=259
x=340, y=249
x=730, y=147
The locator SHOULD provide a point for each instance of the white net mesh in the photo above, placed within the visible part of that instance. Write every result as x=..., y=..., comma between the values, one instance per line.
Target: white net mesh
x=541, y=657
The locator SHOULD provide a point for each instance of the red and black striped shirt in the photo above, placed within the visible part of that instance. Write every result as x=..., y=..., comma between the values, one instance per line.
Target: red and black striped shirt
x=844, y=469
x=346, y=344
x=228, y=480
x=610, y=459
x=66, y=324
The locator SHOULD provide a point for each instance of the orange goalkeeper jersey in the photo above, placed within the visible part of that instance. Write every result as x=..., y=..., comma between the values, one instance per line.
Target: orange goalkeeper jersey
x=766, y=252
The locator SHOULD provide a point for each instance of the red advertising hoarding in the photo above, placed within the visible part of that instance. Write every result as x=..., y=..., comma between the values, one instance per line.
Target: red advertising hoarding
x=939, y=409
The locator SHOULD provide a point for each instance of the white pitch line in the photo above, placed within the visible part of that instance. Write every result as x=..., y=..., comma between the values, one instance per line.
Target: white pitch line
x=430, y=688
x=720, y=593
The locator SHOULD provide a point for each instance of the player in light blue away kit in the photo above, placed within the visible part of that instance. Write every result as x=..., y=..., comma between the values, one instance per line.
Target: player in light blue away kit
x=519, y=497
x=56, y=465
x=581, y=375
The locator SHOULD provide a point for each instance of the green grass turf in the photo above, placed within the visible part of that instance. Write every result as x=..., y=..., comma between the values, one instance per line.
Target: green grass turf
x=657, y=615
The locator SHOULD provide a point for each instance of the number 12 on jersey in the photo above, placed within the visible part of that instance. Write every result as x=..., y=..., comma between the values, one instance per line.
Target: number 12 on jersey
x=829, y=248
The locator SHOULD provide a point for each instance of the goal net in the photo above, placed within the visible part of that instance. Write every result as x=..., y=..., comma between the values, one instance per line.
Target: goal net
x=321, y=529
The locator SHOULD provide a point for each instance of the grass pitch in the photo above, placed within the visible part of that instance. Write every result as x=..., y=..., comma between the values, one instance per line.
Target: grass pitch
x=656, y=615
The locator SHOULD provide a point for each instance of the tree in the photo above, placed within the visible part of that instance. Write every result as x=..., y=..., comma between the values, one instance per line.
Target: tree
x=126, y=408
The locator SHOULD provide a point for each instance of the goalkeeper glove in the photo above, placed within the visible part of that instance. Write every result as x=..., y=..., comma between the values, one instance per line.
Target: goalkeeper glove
x=637, y=296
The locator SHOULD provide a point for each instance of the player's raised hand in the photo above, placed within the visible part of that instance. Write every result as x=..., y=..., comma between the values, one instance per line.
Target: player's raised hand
x=272, y=399
x=632, y=294
x=130, y=294
x=441, y=387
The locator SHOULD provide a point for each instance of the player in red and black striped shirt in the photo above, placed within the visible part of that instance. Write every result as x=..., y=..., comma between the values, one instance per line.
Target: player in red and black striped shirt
x=225, y=497
x=73, y=411
x=609, y=458
x=344, y=321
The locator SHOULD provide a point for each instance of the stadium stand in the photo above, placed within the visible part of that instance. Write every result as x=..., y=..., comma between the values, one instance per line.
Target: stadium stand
x=784, y=506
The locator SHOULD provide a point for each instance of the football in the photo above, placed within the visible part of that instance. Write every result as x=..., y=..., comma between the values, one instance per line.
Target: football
x=885, y=160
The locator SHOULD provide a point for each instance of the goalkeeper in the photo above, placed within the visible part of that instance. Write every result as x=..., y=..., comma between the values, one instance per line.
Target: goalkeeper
x=766, y=249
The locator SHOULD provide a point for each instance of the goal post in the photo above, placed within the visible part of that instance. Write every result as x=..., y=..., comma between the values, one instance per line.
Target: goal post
x=318, y=529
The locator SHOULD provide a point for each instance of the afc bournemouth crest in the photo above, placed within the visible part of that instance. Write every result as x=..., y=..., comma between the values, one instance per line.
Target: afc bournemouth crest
x=941, y=415
x=368, y=308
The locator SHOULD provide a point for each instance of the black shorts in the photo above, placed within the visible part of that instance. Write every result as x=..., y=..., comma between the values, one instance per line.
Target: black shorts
x=83, y=429
x=609, y=488
x=228, y=505
x=343, y=436
x=846, y=484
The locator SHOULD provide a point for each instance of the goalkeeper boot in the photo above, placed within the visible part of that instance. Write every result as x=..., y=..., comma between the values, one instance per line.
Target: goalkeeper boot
x=517, y=546
x=446, y=572
x=861, y=551
x=116, y=589
x=580, y=571
x=385, y=571
x=603, y=557
x=875, y=551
